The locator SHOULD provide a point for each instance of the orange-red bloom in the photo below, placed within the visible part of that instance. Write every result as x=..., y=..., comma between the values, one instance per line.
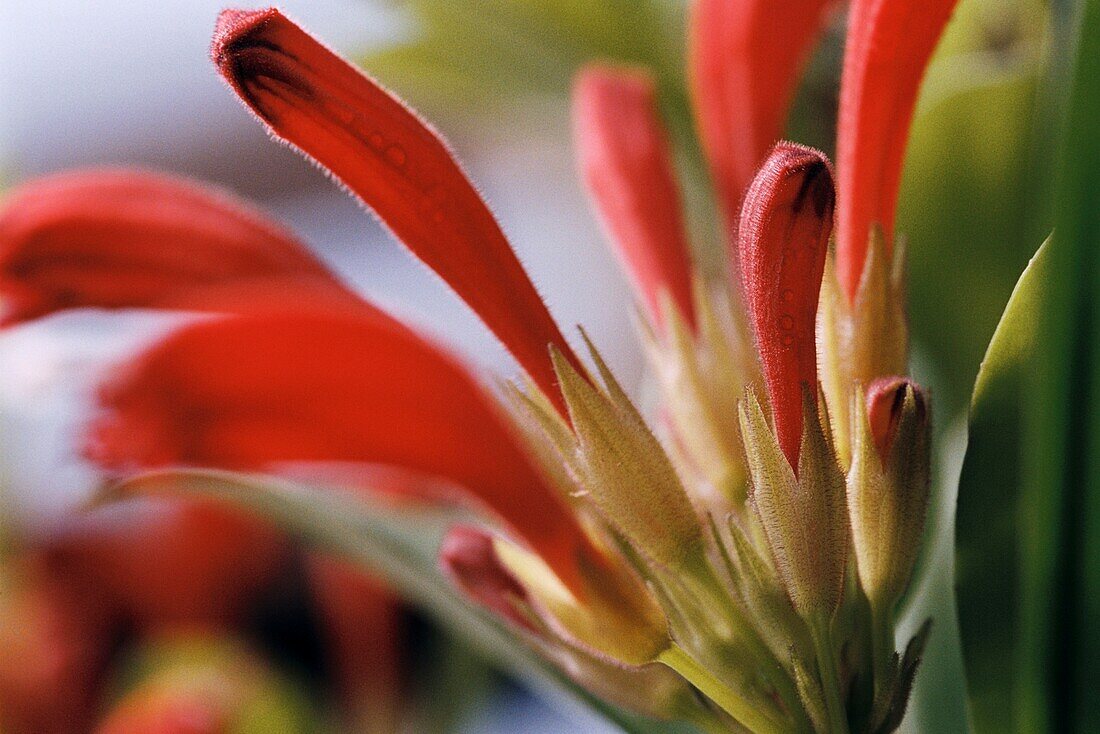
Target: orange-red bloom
x=253, y=391
x=168, y=563
x=395, y=163
x=299, y=369
x=131, y=239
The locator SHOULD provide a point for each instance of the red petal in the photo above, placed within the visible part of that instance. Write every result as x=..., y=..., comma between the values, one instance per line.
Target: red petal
x=625, y=160
x=745, y=58
x=889, y=44
x=784, y=236
x=468, y=558
x=361, y=622
x=123, y=239
x=166, y=711
x=169, y=562
x=396, y=164
x=54, y=644
x=248, y=392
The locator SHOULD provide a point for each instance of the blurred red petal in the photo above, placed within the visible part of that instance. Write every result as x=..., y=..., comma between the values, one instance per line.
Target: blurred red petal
x=784, y=237
x=167, y=712
x=320, y=104
x=624, y=156
x=888, y=48
x=54, y=644
x=361, y=624
x=169, y=562
x=249, y=392
x=745, y=58
x=124, y=239
x=469, y=560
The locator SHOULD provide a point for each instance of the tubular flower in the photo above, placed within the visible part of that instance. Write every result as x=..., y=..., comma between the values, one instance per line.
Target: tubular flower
x=732, y=564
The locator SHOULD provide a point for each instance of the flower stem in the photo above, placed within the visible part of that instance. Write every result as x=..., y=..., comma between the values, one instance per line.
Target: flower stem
x=821, y=632
x=746, y=712
x=882, y=650
x=750, y=639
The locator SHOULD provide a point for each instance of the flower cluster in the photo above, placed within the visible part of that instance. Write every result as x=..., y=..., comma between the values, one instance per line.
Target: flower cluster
x=739, y=567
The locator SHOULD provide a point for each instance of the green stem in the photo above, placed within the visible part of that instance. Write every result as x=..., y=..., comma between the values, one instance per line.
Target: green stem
x=744, y=711
x=821, y=632
x=882, y=649
x=747, y=636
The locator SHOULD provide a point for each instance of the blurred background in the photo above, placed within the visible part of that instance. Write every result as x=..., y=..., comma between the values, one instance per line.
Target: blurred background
x=119, y=82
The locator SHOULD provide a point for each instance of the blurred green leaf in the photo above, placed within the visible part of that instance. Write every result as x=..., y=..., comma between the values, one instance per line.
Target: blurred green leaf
x=1061, y=640
x=473, y=53
x=1029, y=512
x=399, y=545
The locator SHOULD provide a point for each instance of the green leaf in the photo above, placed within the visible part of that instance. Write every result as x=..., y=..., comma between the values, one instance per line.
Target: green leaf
x=987, y=563
x=531, y=47
x=398, y=544
x=1029, y=511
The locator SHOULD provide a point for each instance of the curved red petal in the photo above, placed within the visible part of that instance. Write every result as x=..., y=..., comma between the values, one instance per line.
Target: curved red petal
x=125, y=239
x=162, y=562
x=362, y=629
x=252, y=391
x=624, y=157
x=332, y=112
x=888, y=48
x=745, y=58
x=784, y=237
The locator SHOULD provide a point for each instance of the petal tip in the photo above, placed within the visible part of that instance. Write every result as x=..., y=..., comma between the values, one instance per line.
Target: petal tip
x=886, y=399
x=232, y=26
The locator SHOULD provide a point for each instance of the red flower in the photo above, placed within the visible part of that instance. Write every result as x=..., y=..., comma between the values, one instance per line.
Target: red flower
x=299, y=369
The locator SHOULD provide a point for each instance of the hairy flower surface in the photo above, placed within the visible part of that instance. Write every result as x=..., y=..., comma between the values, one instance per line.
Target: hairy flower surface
x=736, y=562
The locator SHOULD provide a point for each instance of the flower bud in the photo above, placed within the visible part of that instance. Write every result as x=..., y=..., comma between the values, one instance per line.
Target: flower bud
x=888, y=486
x=468, y=556
x=783, y=240
x=468, y=559
x=618, y=621
x=701, y=376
